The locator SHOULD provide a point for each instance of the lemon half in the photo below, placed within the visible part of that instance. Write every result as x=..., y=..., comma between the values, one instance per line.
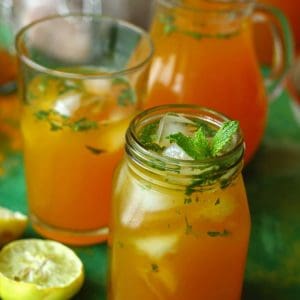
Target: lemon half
x=12, y=225
x=35, y=269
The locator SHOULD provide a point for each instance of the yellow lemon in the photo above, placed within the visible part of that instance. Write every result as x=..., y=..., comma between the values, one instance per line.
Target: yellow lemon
x=34, y=269
x=12, y=225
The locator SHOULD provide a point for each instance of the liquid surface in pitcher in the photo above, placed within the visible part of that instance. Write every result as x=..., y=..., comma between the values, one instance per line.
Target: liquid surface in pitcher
x=214, y=65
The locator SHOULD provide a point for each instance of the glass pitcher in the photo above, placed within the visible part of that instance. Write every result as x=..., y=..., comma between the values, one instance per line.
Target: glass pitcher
x=205, y=54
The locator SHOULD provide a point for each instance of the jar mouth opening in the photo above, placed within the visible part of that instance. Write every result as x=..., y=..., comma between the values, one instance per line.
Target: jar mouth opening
x=224, y=6
x=206, y=114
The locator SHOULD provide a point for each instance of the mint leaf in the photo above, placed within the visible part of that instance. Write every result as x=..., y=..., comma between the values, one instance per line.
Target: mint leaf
x=148, y=133
x=120, y=80
x=201, y=143
x=169, y=24
x=196, y=146
x=54, y=126
x=223, y=136
x=67, y=86
x=94, y=150
x=51, y=116
x=223, y=233
x=188, y=226
x=186, y=143
x=154, y=268
x=83, y=124
x=42, y=114
x=127, y=97
x=154, y=147
x=194, y=34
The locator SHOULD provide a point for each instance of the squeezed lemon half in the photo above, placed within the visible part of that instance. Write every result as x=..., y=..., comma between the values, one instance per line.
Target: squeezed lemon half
x=12, y=225
x=35, y=269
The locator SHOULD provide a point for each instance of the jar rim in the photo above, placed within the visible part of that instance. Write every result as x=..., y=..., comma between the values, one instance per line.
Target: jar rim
x=219, y=118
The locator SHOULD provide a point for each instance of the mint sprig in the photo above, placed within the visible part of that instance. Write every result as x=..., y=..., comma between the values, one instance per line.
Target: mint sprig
x=199, y=146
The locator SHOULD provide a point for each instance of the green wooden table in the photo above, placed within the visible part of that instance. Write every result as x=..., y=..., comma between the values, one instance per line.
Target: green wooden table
x=273, y=186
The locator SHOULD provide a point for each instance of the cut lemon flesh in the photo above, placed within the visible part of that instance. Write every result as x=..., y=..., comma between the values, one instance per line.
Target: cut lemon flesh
x=12, y=225
x=34, y=269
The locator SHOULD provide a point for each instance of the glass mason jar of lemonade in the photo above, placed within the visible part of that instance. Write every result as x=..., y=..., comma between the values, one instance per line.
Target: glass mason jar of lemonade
x=180, y=221
x=205, y=55
x=82, y=81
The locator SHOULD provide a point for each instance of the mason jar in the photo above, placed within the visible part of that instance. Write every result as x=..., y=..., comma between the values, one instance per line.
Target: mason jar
x=179, y=228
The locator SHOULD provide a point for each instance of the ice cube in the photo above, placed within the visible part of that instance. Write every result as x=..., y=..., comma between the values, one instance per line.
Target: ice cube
x=174, y=151
x=98, y=86
x=157, y=247
x=144, y=204
x=171, y=124
x=67, y=104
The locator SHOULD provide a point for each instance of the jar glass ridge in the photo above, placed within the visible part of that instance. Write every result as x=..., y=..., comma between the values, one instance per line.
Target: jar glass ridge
x=182, y=172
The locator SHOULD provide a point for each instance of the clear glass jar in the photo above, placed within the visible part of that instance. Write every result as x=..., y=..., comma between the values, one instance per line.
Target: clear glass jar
x=179, y=228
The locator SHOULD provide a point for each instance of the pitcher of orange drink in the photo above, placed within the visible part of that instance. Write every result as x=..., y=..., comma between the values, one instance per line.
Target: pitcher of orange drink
x=205, y=54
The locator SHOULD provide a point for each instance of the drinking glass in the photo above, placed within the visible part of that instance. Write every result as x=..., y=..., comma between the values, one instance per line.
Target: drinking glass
x=82, y=79
x=15, y=14
x=179, y=228
x=205, y=54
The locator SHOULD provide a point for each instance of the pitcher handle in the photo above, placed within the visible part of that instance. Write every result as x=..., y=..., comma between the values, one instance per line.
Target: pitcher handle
x=283, y=46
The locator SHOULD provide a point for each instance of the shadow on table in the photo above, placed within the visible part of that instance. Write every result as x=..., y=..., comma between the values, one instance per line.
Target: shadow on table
x=265, y=291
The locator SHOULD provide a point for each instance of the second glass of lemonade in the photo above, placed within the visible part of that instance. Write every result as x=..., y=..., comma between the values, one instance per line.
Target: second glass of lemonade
x=82, y=81
x=180, y=226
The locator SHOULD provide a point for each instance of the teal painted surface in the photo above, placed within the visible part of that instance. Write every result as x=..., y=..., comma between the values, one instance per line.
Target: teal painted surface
x=273, y=186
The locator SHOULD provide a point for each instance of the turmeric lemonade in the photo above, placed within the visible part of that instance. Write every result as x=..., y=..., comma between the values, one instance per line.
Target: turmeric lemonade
x=9, y=105
x=73, y=136
x=205, y=55
x=180, y=223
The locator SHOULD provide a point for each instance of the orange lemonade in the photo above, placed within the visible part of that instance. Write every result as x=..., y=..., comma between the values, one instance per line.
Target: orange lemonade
x=291, y=9
x=202, y=57
x=9, y=103
x=179, y=227
x=8, y=67
x=73, y=137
